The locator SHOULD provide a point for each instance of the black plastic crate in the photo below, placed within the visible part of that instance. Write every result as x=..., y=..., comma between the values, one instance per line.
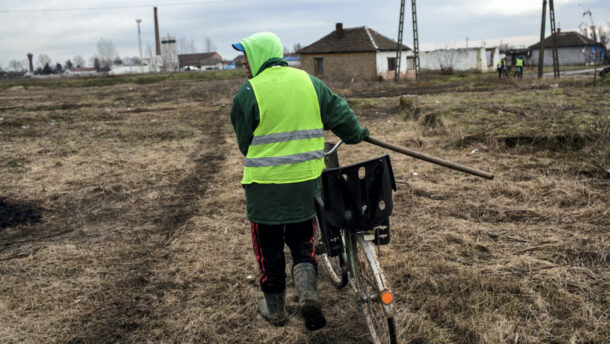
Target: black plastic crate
x=358, y=197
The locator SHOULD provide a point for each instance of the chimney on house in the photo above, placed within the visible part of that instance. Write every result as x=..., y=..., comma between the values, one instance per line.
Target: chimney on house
x=558, y=31
x=157, y=40
x=339, y=30
x=30, y=56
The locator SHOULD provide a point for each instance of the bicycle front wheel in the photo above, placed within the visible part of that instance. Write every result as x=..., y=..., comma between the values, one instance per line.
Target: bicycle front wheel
x=377, y=304
x=333, y=265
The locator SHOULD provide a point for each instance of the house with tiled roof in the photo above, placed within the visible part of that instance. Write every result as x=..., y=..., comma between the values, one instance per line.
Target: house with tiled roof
x=572, y=49
x=359, y=53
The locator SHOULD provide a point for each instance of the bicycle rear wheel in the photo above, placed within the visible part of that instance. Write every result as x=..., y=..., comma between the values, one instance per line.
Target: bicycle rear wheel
x=334, y=265
x=373, y=288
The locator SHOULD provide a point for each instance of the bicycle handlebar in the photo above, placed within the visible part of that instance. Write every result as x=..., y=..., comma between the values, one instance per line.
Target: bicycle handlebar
x=332, y=150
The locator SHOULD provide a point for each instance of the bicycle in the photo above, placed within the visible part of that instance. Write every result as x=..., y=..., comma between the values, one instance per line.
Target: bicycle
x=353, y=216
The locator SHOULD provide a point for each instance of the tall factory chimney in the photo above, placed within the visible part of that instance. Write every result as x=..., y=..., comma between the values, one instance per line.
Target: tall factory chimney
x=157, y=40
x=30, y=56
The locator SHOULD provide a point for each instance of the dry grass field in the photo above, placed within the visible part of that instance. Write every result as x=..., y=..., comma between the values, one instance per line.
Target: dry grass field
x=122, y=218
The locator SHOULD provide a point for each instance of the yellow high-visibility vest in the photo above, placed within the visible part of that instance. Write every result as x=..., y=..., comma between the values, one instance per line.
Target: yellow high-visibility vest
x=288, y=144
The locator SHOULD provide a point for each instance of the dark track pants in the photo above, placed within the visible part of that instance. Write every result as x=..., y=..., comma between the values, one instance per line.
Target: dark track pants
x=268, y=242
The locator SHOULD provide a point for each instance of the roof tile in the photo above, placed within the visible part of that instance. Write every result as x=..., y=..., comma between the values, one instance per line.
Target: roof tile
x=358, y=39
x=566, y=39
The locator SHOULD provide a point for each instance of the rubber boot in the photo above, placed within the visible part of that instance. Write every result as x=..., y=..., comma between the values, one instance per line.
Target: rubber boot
x=304, y=275
x=271, y=308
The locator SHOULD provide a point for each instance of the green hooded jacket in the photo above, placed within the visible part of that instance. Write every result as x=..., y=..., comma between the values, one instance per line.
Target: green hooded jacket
x=293, y=202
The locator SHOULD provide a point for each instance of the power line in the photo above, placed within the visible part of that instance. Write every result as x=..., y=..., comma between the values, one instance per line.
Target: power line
x=113, y=7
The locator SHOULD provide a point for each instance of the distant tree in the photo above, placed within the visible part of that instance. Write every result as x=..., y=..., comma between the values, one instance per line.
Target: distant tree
x=185, y=45
x=445, y=59
x=596, y=54
x=136, y=61
x=209, y=45
x=79, y=61
x=43, y=60
x=131, y=61
x=296, y=47
x=117, y=61
x=604, y=35
x=505, y=47
x=96, y=64
x=15, y=66
x=106, y=53
x=58, y=68
x=149, y=51
x=152, y=58
x=46, y=70
x=68, y=65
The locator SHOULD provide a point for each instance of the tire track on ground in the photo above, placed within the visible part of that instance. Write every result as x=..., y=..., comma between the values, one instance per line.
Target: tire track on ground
x=134, y=306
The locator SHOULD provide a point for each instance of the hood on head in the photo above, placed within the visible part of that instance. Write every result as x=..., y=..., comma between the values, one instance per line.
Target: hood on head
x=261, y=47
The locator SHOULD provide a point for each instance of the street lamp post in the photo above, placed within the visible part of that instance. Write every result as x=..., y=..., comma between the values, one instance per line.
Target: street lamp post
x=138, y=21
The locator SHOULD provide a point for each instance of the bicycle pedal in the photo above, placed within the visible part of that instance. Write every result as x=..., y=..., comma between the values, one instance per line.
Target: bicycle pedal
x=320, y=249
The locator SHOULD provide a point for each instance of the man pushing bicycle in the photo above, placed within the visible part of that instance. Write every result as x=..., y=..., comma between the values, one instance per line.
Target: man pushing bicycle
x=279, y=116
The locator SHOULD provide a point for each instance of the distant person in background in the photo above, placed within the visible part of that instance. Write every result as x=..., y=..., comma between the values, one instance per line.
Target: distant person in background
x=519, y=67
x=500, y=67
x=279, y=117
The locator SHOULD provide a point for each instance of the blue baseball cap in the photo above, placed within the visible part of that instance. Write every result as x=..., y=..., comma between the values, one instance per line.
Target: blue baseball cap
x=238, y=47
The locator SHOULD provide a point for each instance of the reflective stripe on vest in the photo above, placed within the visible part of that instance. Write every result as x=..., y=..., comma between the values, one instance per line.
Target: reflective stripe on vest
x=288, y=144
x=284, y=160
x=292, y=135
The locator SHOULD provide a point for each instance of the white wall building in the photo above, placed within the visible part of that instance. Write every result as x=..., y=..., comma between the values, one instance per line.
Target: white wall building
x=120, y=69
x=479, y=59
x=386, y=64
x=80, y=72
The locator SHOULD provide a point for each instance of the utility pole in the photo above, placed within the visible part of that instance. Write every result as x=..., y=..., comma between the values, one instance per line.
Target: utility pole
x=554, y=39
x=401, y=22
x=138, y=21
x=541, y=48
x=415, y=40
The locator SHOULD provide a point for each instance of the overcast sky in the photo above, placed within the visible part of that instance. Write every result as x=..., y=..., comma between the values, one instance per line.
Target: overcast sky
x=63, y=29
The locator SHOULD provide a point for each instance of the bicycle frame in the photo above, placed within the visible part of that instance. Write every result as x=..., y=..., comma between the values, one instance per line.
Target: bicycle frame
x=350, y=240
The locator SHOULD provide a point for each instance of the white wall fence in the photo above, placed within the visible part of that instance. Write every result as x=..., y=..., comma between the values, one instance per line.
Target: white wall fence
x=479, y=59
